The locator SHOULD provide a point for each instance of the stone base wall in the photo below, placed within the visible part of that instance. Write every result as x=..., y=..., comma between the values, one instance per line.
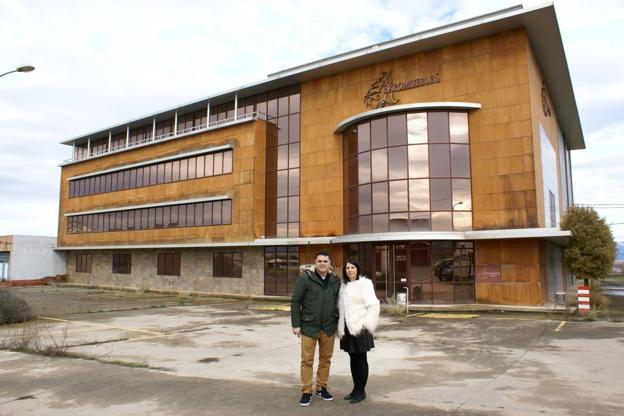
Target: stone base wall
x=195, y=271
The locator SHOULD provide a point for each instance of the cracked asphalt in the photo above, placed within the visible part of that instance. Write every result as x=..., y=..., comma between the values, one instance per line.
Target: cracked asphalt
x=161, y=354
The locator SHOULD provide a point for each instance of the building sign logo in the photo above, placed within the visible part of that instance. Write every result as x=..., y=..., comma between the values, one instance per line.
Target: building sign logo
x=381, y=92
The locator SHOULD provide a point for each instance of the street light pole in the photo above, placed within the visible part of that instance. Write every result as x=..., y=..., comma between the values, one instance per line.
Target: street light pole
x=21, y=68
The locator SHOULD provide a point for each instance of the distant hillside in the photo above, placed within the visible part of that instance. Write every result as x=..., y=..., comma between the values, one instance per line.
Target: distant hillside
x=620, y=251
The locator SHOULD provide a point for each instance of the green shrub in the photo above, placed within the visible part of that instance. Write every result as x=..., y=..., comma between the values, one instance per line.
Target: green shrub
x=13, y=308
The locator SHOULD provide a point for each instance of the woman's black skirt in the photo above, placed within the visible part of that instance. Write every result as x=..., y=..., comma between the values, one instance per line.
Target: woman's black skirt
x=362, y=343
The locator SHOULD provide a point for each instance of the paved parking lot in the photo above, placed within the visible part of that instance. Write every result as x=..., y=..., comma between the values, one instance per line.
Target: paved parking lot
x=163, y=354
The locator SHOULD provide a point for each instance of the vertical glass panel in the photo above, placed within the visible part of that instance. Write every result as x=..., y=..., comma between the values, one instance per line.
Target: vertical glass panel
x=151, y=218
x=175, y=216
x=438, y=127
x=293, y=209
x=183, y=169
x=419, y=194
x=226, y=209
x=397, y=162
x=462, y=198
x=363, y=137
x=364, y=199
x=364, y=169
x=282, y=102
x=380, y=223
x=168, y=168
x=227, y=162
x=398, y=196
x=160, y=178
x=379, y=163
x=418, y=157
x=192, y=167
x=462, y=221
x=124, y=221
x=159, y=217
x=439, y=161
x=199, y=213
x=441, y=221
x=282, y=210
x=293, y=181
x=153, y=172
x=175, y=171
x=218, y=164
x=282, y=157
x=293, y=128
x=293, y=156
x=380, y=197
x=261, y=105
x=397, y=130
x=379, y=133
x=417, y=128
x=207, y=213
x=295, y=103
x=458, y=126
x=166, y=217
x=399, y=222
x=132, y=184
x=352, y=172
x=441, y=195
x=190, y=215
x=365, y=224
x=201, y=160
x=352, y=202
x=272, y=104
x=113, y=183
x=282, y=130
x=209, y=170
x=282, y=183
x=460, y=161
x=181, y=215
x=420, y=221
x=217, y=217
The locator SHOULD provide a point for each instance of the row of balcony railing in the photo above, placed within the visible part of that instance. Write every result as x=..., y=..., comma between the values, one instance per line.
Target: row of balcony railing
x=91, y=153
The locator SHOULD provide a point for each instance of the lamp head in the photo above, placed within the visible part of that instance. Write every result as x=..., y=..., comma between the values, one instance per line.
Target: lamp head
x=25, y=68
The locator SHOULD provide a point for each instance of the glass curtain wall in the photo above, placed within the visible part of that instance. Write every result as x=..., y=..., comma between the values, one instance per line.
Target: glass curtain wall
x=282, y=161
x=408, y=172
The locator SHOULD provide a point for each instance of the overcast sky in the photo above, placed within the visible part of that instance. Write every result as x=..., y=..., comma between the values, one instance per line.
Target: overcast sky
x=100, y=63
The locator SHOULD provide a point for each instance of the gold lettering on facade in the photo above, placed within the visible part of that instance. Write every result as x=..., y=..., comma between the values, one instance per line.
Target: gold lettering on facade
x=381, y=92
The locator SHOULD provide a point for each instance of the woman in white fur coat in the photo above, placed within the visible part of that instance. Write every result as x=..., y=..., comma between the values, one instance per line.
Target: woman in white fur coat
x=358, y=307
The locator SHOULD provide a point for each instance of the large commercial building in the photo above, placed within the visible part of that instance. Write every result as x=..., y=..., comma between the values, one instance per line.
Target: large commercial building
x=441, y=159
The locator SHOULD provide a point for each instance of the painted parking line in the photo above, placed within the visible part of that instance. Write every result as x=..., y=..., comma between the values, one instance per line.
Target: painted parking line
x=437, y=315
x=284, y=307
x=102, y=325
x=560, y=326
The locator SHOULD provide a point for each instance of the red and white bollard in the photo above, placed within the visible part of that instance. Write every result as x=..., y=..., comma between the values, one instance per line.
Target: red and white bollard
x=583, y=299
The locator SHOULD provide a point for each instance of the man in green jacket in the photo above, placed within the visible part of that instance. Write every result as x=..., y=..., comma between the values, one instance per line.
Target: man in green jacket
x=314, y=318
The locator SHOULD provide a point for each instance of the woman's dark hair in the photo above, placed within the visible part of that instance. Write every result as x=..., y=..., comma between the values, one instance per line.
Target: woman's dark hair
x=358, y=269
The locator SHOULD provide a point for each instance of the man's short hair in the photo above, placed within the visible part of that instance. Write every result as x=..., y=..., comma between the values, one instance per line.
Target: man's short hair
x=323, y=253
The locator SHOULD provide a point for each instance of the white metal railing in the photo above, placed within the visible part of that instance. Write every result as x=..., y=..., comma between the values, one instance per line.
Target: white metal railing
x=195, y=129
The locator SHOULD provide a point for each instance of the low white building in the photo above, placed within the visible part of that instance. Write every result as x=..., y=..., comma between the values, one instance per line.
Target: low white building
x=30, y=257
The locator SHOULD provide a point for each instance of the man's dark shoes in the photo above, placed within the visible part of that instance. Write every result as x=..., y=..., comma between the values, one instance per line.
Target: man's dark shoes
x=306, y=398
x=324, y=394
x=358, y=398
x=349, y=396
